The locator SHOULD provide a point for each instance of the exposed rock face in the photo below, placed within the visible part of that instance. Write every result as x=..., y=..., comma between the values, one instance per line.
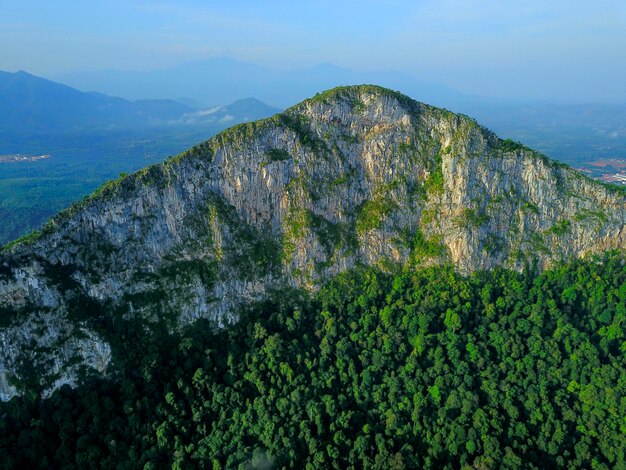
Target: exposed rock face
x=355, y=175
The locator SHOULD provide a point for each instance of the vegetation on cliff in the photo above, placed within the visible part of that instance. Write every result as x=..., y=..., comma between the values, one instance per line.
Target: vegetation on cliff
x=426, y=369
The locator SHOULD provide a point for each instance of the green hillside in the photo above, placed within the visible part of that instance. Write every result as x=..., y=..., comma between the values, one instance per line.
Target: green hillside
x=425, y=369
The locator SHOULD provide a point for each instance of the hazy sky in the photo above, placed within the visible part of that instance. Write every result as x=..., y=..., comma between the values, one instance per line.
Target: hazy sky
x=562, y=50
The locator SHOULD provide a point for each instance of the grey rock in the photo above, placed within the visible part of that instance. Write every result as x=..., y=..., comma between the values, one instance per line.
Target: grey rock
x=357, y=175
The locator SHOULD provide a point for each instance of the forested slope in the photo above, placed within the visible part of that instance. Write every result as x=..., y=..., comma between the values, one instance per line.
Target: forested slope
x=422, y=369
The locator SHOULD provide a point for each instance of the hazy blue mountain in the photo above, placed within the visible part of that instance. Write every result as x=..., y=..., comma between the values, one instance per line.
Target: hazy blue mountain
x=223, y=80
x=31, y=105
x=215, y=81
x=39, y=115
x=249, y=109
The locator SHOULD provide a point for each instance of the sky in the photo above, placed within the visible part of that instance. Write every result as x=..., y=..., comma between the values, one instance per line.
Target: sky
x=553, y=50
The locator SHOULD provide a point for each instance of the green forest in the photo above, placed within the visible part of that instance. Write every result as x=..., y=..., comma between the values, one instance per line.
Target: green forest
x=420, y=369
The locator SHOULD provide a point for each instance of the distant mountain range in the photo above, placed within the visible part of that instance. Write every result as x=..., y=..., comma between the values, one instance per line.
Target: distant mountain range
x=32, y=106
x=193, y=96
x=222, y=80
x=572, y=133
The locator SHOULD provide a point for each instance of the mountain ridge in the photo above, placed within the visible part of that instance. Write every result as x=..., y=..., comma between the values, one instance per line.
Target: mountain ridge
x=33, y=106
x=211, y=80
x=356, y=175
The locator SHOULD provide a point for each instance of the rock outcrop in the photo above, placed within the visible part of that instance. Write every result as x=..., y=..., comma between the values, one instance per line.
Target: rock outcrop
x=356, y=175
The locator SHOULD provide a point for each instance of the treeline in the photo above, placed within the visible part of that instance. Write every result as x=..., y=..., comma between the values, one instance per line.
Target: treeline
x=427, y=369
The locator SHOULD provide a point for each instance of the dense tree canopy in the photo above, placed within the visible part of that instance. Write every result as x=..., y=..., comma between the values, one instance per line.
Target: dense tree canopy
x=423, y=369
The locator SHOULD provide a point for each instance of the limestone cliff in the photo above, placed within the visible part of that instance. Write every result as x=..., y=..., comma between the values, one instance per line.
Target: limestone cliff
x=356, y=175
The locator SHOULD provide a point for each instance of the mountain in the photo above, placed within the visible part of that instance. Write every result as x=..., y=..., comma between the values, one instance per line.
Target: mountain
x=31, y=106
x=354, y=176
x=225, y=79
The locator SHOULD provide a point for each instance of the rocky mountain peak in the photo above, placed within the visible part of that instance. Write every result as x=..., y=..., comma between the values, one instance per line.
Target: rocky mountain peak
x=353, y=176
